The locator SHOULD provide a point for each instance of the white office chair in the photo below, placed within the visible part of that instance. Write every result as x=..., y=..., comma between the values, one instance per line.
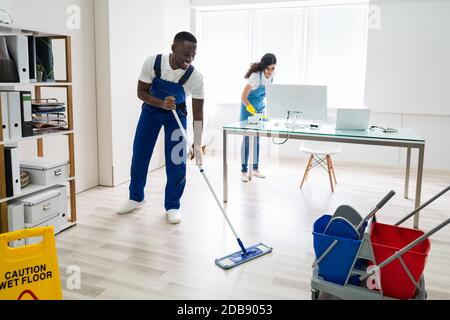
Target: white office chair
x=320, y=152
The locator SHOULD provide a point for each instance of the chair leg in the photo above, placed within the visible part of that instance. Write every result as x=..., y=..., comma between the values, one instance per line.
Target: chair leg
x=332, y=170
x=308, y=167
x=329, y=173
x=311, y=163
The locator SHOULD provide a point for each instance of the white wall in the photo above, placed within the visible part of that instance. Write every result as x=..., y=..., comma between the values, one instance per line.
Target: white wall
x=408, y=71
x=103, y=77
x=135, y=30
x=131, y=43
x=176, y=19
x=51, y=16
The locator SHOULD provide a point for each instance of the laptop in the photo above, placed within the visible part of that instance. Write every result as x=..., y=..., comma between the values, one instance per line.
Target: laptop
x=352, y=119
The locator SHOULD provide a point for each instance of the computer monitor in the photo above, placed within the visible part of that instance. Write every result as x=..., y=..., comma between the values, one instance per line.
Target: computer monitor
x=309, y=102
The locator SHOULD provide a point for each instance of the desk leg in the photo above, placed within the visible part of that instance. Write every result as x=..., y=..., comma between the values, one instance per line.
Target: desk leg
x=251, y=161
x=225, y=168
x=408, y=166
x=419, y=184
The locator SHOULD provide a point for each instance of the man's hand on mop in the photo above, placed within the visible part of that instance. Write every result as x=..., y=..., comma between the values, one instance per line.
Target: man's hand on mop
x=169, y=103
x=195, y=151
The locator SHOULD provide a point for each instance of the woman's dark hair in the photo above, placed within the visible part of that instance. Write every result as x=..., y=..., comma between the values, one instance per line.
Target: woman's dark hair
x=267, y=60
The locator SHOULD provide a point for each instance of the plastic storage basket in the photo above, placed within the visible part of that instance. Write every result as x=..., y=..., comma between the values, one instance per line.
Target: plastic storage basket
x=338, y=262
x=387, y=240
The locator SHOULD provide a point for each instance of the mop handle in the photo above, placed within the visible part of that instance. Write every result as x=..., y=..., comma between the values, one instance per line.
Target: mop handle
x=378, y=207
x=423, y=206
x=202, y=171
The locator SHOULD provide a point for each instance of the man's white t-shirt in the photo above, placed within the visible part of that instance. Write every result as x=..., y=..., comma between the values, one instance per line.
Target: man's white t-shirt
x=258, y=78
x=193, y=87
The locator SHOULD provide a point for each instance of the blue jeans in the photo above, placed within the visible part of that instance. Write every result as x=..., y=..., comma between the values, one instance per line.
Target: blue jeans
x=245, y=153
x=149, y=126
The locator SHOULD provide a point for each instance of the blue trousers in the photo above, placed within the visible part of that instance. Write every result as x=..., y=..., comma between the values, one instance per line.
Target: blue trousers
x=245, y=153
x=149, y=126
x=246, y=142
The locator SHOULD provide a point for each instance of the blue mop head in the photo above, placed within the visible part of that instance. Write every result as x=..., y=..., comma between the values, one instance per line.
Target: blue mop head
x=239, y=258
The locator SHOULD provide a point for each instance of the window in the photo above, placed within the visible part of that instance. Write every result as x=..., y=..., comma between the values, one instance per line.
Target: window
x=320, y=44
x=337, y=51
x=280, y=31
x=223, y=53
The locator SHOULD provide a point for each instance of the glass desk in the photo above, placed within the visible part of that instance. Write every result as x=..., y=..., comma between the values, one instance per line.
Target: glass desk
x=404, y=138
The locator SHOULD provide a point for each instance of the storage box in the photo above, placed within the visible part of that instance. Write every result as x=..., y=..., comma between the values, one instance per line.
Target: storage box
x=46, y=172
x=50, y=222
x=46, y=208
x=41, y=206
x=63, y=212
x=337, y=264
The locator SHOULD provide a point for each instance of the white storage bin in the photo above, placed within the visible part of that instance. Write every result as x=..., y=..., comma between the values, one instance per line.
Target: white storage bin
x=63, y=212
x=46, y=172
x=50, y=222
x=41, y=206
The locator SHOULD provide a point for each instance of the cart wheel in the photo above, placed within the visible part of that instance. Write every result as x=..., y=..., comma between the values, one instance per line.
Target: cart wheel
x=315, y=294
x=422, y=284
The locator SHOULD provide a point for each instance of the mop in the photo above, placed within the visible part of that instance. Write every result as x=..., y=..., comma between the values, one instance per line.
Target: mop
x=245, y=254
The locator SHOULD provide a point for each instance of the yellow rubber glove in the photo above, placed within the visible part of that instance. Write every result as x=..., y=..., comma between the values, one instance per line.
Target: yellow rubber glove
x=251, y=109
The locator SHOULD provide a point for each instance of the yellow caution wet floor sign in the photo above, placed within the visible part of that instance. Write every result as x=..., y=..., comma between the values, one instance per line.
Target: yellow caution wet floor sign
x=29, y=272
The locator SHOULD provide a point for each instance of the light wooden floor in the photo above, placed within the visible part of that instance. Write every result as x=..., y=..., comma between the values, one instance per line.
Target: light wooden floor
x=141, y=256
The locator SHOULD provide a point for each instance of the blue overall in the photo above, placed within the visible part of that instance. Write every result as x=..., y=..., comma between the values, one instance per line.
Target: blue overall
x=256, y=98
x=150, y=122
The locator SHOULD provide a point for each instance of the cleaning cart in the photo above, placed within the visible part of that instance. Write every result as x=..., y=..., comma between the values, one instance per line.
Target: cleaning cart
x=385, y=262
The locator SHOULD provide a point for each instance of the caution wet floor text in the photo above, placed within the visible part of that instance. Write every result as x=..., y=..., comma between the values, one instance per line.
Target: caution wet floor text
x=29, y=272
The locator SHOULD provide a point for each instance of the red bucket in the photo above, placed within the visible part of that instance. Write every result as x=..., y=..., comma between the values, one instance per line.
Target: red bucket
x=386, y=241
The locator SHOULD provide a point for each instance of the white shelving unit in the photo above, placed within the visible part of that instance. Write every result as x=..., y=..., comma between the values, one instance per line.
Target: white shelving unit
x=31, y=188
x=38, y=136
x=64, y=84
x=6, y=85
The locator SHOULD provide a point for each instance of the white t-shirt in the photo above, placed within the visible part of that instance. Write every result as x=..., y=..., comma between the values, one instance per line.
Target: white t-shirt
x=256, y=79
x=194, y=86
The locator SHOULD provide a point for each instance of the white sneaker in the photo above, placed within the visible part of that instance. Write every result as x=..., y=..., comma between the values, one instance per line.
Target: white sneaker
x=258, y=174
x=244, y=177
x=129, y=206
x=174, y=216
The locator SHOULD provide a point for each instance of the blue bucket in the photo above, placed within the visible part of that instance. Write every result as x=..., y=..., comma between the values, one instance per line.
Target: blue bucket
x=337, y=263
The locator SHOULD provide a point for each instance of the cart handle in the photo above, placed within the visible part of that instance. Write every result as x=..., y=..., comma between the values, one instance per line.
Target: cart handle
x=423, y=206
x=407, y=248
x=324, y=254
x=417, y=285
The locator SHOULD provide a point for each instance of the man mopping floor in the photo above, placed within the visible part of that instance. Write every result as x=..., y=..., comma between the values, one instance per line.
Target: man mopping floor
x=163, y=86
